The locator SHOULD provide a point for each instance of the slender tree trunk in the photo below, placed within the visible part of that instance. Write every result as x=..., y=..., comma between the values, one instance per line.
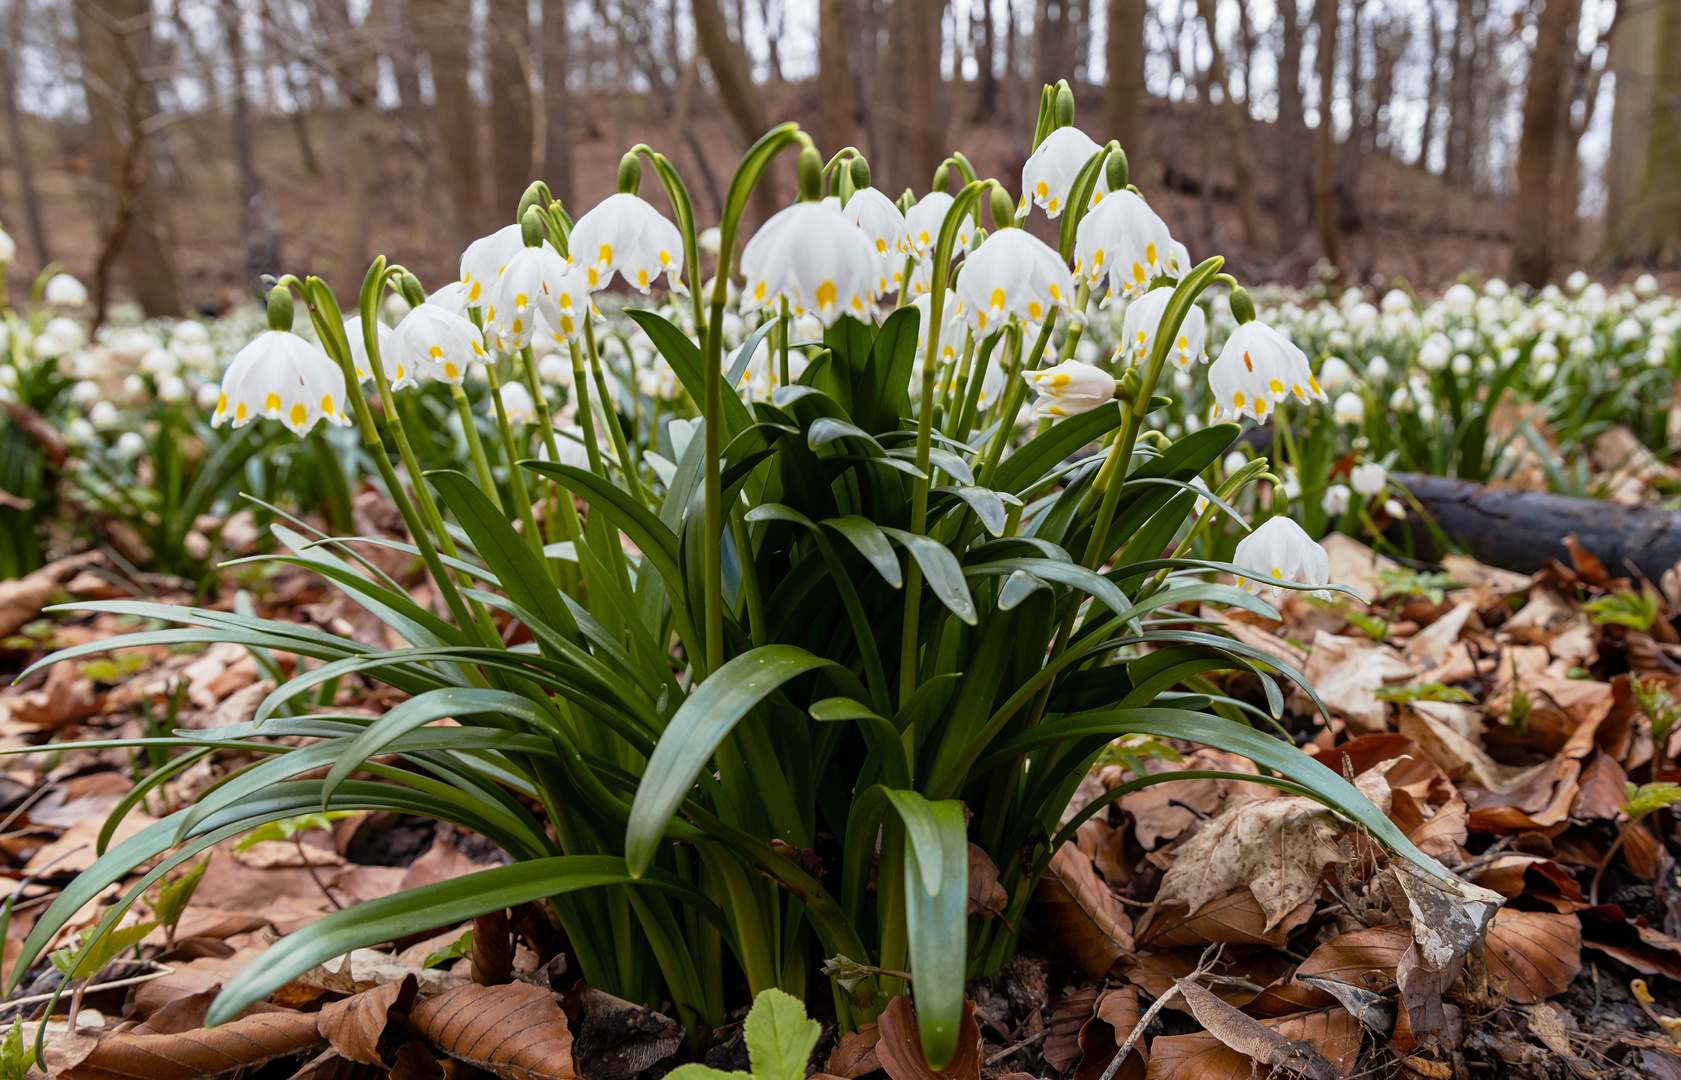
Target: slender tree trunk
x=834, y=44
x=732, y=71
x=508, y=73
x=1236, y=116
x=1460, y=120
x=1124, y=58
x=986, y=99
x=261, y=257
x=1534, y=237
x=1643, y=173
x=1325, y=210
x=1292, y=127
x=921, y=101
x=557, y=102
x=1432, y=87
x=21, y=154
x=446, y=26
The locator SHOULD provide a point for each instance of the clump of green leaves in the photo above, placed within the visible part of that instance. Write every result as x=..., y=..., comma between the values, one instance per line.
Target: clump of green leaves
x=1635, y=610
x=291, y=828
x=15, y=1059
x=1653, y=698
x=779, y=1038
x=455, y=950
x=1133, y=752
x=1650, y=798
x=1372, y=626
x=115, y=668
x=40, y=634
x=104, y=950
x=1403, y=582
x=174, y=896
x=1432, y=691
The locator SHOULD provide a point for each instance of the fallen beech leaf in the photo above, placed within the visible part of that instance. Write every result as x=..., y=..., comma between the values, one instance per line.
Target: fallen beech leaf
x=1448, y=915
x=612, y=1038
x=21, y=599
x=1421, y=1019
x=855, y=1054
x=1535, y=953
x=1233, y=919
x=1248, y=1036
x=900, y=1048
x=1159, y=812
x=1074, y=904
x=416, y=1061
x=238, y=1044
x=987, y=898
x=1346, y=672
x=1116, y=1015
x=1546, y=1024
x=1276, y=847
x=362, y=1028
x=516, y=1031
x=1156, y=972
x=1372, y=1010
x=330, y=1065
x=1068, y=1019
x=492, y=958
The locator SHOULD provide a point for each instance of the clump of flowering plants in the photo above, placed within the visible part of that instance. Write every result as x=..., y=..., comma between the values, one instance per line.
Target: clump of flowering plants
x=847, y=612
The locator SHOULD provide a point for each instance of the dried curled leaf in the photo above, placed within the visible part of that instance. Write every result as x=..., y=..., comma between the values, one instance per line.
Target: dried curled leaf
x=239, y=1044
x=517, y=1031
x=1117, y=1014
x=900, y=1048
x=1074, y=904
x=366, y=1028
x=1250, y=1037
x=1535, y=953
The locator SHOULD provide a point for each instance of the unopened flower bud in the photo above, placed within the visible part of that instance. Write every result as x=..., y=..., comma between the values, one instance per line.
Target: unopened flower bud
x=1064, y=104
x=1243, y=308
x=1003, y=211
x=1116, y=166
x=630, y=174
x=531, y=228
x=533, y=197
x=860, y=173
x=412, y=290
x=280, y=308
x=811, y=174
x=1128, y=384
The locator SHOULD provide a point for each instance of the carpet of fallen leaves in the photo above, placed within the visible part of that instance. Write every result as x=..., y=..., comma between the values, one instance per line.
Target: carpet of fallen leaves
x=1202, y=929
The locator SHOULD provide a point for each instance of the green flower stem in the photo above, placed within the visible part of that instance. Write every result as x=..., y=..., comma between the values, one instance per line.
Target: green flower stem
x=682, y=207
x=905, y=296
x=964, y=422
x=581, y=409
x=475, y=448
x=609, y=416
x=559, y=494
x=328, y=467
x=1082, y=297
x=516, y=475
x=782, y=339
x=1014, y=391
x=950, y=394
x=749, y=577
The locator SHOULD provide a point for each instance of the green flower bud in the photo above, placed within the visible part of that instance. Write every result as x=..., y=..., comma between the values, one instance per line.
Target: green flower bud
x=630, y=174
x=860, y=173
x=412, y=290
x=1117, y=168
x=942, y=179
x=279, y=308
x=531, y=227
x=906, y=201
x=1243, y=308
x=811, y=174
x=1128, y=384
x=533, y=197
x=1003, y=210
x=1064, y=104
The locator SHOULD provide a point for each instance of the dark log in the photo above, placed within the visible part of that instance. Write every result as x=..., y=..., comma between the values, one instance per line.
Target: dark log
x=1520, y=530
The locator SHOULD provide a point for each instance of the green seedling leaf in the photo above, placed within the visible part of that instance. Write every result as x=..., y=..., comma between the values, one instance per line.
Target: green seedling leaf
x=1635, y=610
x=100, y=953
x=290, y=827
x=15, y=1059
x=1433, y=691
x=174, y=896
x=779, y=1036
x=1649, y=798
x=461, y=946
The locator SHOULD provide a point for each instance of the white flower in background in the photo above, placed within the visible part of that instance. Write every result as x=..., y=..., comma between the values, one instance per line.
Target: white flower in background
x=1070, y=388
x=1292, y=484
x=159, y=362
x=1657, y=354
x=1377, y=369
x=84, y=393
x=1362, y=317
x=70, y=332
x=554, y=368
x=1461, y=364
x=517, y=403
x=80, y=433
x=1433, y=354
x=1544, y=352
x=884, y=227
x=435, y=342
x=1335, y=373
x=1258, y=368
x=992, y=385
x=1464, y=339
x=1048, y=176
x=1496, y=288
x=1394, y=509
x=951, y=334
x=1577, y=281
x=1233, y=462
x=104, y=414
x=188, y=332
x=172, y=388
x=534, y=280
x=206, y=396
x=1626, y=331
x=65, y=291
x=922, y=226
x=1368, y=478
x=482, y=262
x=710, y=241
x=1279, y=550
x=1178, y=260
x=1143, y=318
x=1395, y=301
x=1460, y=298
x=8, y=248
x=1335, y=500
x=1544, y=374
x=134, y=386
x=1123, y=239
x=130, y=445
x=359, y=347
x=624, y=234
x=1014, y=276
x=283, y=377
x=1350, y=408
x=451, y=297
x=1644, y=285
x=812, y=256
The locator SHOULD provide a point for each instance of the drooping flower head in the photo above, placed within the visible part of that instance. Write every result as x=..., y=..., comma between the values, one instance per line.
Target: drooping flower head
x=816, y=259
x=922, y=226
x=1258, y=368
x=1070, y=388
x=435, y=342
x=283, y=377
x=1279, y=550
x=517, y=404
x=1048, y=176
x=624, y=234
x=1122, y=239
x=359, y=347
x=535, y=280
x=1013, y=276
x=950, y=346
x=1143, y=318
x=884, y=227
x=482, y=262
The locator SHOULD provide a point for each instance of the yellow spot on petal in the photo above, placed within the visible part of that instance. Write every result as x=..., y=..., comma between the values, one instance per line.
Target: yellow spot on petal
x=221, y=404
x=1034, y=310
x=1276, y=386
x=923, y=238
x=759, y=291
x=1042, y=190
x=1237, y=400
x=665, y=258
x=271, y=403
x=594, y=278
x=1097, y=259
x=1248, y=363
x=605, y=256
x=566, y=324
x=399, y=373
x=1150, y=253
x=436, y=353
x=881, y=246
x=521, y=300
x=473, y=293
x=327, y=404
x=1138, y=272
x=451, y=371
x=239, y=413
x=1313, y=382
x=1051, y=206
x=1277, y=573
x=826, y=295
x=519, y=326
x=642, y=278
x=299, y=415
x=998, y=298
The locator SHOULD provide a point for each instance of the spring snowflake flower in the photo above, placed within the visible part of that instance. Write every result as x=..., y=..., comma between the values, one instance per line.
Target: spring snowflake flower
x=1335, y=373
x=1335, y=500
x=1350, y=408
x=1377, y=369
x=482, y=262
x=130, y=445
x=1368, y=478
x=1049, y=173
x=1016, y=277
x=283, y=377
x=1143, y=318
x=1461, y=364
x=8, y=248
x=624, y=234
x=65, y=291
x=1123, y=239
x=172, y=388
x=812, y=256
x=1258, y=368
x=1433, y=354
x=535, y=280
x=1395, y=301
x=1069, y=389
x=83, y=393
x=517, y=403
x=922, y=226
x=1645, y=285
x=435, y=342
x=1460, y=298
x=884, y=227
x=359, y=347
x=1279, y=550
x=950, y=347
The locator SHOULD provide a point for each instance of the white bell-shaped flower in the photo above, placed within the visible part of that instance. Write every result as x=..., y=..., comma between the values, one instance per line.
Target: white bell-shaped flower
x=1048, y=176
x=534, y=281
x=517, y=404
x=283, y=377
x=1335, y=500
x=65, y=291
x=359, y=347
x=1143, y=318
x=1349, y=408
x=884, y=227
x=1258, y=368
x=482, y=262
x=624, y=234
x=923, y=221
x=435, y=342
x=1279, y=550
x=1014, y=276
x=812, y=256
x=1122, y=238
x=950, y=346
x=1070, y=388
x=1368, y=478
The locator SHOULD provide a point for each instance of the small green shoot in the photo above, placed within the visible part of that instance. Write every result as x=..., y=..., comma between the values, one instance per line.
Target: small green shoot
x=1401, y=583
x=104, y=950
x=1434, y=691
x=1132, y=752
x=174, y=896
x=1653, y=698
x=1635, y=610
x=116, y=668
x=1373, y=627
x=15, y=1059
x=779, y=1039
x=1650, y=798
x=455, y=950
x=291, y=828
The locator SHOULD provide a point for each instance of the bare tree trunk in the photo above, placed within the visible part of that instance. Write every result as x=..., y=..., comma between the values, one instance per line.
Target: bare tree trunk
x=508, y=73
x=834, y=76
x=1432, y=87
x=1236, y=116
x=1325, y=210
x=19, y=139
x=921, y=101
x=557, y=102
x=1457, y=170
x=1643, y=174
x=446, y=26
x=1053, y=39
x=1292, y=126
x=114, y=40
x=1534, y=237
x=1124, y=58
x=733, y=74
x=986, y=100
x=262, y=253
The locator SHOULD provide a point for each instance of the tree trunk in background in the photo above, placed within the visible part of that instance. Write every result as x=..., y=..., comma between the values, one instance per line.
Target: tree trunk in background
x=1124, y=58
x=1432, y=86
x=508, y=74
x=445, y=26
x=257, y=226
x=114, y=39
x=834, y=74
x=1236, y=116
x=1292, y=129
x=986, y=99
x=1053, y=39
x=1534, y=247
x=21, y=155
x=557, y=104
x=733, y=74
x=1460, y=119
x=1326, y=213
x=918, y=105
x=1643, y=174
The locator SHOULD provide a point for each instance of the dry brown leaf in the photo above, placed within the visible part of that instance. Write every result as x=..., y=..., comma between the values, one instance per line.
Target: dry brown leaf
x=1535, y=953
x=1276, y=847
x=22, y=599
x=900, y=1048
x=1156, y=972
x=1068, y=1020
x=492, y=958
x=1074, y=904
x=1249, y=1036
x=517, y=1031
x=1364, y=958
x=1117, y=1014
x=1429, y=648
x=364, y=1028
x=1233, y=919
x=237, y=1044
x=1601, y=790
x=987, y=898
x=615, y=1039
x=1346, y=672
x=855, y=1054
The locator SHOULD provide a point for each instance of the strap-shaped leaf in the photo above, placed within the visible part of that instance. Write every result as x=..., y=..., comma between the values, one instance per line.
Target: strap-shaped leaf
x=1073, y=575
x=685, y=360
x=1020, y=470
x=936, y=921
x=744, y=355
x=942, y=571
x=871, y=543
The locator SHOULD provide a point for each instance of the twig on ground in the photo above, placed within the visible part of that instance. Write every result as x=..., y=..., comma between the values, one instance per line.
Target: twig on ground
x=1008, y=1050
